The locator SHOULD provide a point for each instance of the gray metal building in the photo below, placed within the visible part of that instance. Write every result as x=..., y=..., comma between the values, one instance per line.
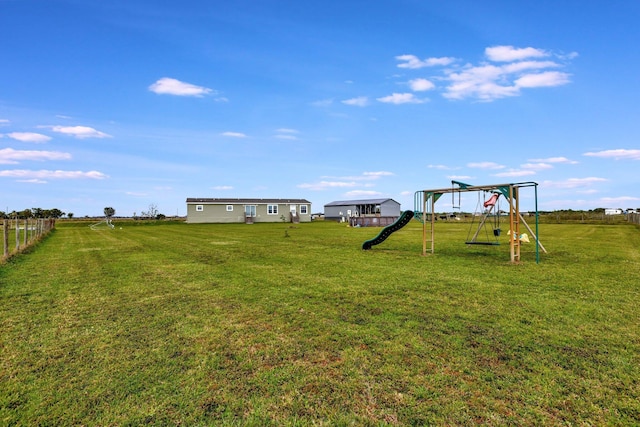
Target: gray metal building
x=345, y=209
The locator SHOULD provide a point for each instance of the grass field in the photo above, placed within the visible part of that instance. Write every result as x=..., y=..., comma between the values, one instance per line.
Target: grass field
x=274, y=324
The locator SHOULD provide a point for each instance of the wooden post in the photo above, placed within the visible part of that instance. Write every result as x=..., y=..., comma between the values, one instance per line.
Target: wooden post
x=26, y=227
x=5, y=236
x=433, y=222
x=17, y=234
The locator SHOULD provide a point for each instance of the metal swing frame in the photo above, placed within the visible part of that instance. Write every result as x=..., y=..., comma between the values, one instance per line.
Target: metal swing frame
x=424, y=206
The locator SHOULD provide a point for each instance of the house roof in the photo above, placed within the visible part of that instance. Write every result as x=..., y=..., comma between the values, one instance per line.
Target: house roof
x=359, y=202
x=229, y=201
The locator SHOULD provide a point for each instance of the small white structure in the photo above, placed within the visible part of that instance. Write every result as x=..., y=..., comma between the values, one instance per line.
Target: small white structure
x=613, y=211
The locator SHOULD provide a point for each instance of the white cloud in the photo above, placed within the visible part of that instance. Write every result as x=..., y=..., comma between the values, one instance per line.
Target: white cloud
x=287, y=137
x=33, y=181
x=287, y=130
x=545, y=79
x=322, y=103
x=325, y=185
x=328, y=182
x=536, y=166
x=573, y=182
x=618, y=154
x=48, y=174
x=234, y=134
x=401, y=98
x=420, y=85
x=490, y=82
x=4, y=122
x=29, y=137
x=440, y=167
x=413, y=62
x=510, y=53
x=506, y=72
x=485, y=165
x=169, y=86
x=554, y=160
x=80, y=132
x=479, y=82
x=366, y=176
x=11, y=156
x=376, y=175
x=361, y=101
x=362, y=193
x=514, y=173
x=517, y=67
x=511, y=70
x=286, y=133
x=621, y=199
x=222, y=187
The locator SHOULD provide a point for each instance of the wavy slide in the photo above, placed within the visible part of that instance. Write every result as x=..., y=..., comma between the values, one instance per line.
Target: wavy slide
x=404, y=219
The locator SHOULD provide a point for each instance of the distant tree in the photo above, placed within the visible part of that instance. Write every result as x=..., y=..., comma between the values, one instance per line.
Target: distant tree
x=109, y=212
x=53, y=213
x=152, y=212
x=25, y=214
x=70, y=215
x=3, y=215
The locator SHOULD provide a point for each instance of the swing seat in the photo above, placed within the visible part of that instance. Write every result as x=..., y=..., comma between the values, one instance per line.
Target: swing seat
x=482, y=243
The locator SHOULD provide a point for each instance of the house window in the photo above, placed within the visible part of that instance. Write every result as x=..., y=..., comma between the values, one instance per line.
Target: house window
x=303, y=209
x=199, y=208
x=272, y=209
x=229, y=208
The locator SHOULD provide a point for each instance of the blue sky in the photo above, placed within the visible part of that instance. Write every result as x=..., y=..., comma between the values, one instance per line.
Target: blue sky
x=129, y=103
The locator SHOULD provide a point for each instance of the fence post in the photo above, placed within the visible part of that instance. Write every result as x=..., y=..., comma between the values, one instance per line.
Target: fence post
x=26, y=227
x=5, y=236
x=17, y=234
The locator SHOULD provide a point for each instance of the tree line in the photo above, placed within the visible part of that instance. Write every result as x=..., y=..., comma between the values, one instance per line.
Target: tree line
x=151, y=213
x=35, y=213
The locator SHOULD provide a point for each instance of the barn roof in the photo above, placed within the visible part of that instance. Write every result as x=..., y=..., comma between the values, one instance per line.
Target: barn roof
x=359, y=202
x=232, y=200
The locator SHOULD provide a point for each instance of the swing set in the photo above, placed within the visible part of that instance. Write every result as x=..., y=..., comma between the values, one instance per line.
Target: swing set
x=485, y=219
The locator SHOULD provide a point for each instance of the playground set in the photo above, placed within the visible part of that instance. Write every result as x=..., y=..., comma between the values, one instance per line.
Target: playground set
x=487, y=213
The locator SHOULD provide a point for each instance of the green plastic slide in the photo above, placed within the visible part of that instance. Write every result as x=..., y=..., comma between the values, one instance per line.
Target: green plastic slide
x=404, y=219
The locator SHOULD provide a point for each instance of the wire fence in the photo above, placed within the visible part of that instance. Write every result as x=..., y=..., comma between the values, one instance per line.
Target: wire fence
x=20, y=234
x=634, y=218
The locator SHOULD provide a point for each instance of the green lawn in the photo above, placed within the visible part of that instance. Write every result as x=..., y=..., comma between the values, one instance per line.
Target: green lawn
x=274, y=324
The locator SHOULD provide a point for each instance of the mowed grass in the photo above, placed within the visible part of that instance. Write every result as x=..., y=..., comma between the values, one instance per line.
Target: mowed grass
x=274, y=324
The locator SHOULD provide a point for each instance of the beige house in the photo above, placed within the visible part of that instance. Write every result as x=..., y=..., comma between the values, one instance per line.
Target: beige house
x=248, y=211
